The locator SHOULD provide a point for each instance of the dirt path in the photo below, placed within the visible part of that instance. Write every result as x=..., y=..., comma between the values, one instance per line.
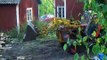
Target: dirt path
x=37, y=50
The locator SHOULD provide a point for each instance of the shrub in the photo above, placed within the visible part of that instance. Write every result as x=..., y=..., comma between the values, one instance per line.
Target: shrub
x=43, y=30
x=12, y=33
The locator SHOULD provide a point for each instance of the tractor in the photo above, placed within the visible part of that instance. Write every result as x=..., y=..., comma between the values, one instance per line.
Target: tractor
x=70, y=30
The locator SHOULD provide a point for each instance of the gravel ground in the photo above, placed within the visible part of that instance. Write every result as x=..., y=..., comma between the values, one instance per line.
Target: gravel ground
x=36, y=50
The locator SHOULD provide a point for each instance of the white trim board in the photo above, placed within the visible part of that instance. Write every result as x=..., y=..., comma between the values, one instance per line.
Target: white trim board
x=64, y=8
x=17, y=18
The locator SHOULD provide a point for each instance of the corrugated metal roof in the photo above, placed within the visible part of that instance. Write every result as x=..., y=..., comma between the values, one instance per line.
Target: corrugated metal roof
x=10, y=1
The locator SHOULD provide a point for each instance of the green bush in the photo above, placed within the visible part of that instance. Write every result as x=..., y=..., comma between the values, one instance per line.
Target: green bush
x=22, y=31
x=43, y=30
x=40, y=24
x=12, y=33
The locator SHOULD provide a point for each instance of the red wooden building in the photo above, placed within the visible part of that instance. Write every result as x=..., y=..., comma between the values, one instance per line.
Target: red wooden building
x=16, y=12
x=68, y=8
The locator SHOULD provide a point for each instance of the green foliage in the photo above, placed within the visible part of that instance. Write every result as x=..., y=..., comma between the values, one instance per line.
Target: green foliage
x=83, y=57
x=88, y=50
x=20, y=36
x=105, y=51
x=43, y=30
x=12, y=33
x=76, y=56
x=94, y=33
x=79, y=37
x=22, y=31
x=104, y=58
x=40, y=24
x=75, y=43
x=41, y=27
x=79, y=40
x=99, y=9
x=102, y=48
x=96, y=49
x=47, y=7
x=100, y=43
x=65, y=47
x=69, y=42
x=85, y=38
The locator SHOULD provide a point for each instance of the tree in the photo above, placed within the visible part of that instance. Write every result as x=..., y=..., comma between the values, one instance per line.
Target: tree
x=46, y=7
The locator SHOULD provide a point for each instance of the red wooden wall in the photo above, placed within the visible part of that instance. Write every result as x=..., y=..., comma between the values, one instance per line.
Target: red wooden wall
x=7, y=17
x=8, y=14
x=73, y=8
x=27, y=4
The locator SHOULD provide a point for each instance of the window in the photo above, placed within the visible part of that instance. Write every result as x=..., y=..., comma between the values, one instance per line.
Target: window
x=60, y=11
x=29, y=14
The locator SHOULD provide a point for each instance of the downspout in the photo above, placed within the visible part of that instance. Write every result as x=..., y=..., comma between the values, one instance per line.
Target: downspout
x=17, y=18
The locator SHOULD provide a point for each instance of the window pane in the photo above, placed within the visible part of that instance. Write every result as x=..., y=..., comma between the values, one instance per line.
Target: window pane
x=29, y=14
x=59, y=13
x=63, y=11
x=60, y=10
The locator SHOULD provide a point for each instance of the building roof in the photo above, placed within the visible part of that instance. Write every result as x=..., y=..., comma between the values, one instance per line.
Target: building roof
x=9, y=1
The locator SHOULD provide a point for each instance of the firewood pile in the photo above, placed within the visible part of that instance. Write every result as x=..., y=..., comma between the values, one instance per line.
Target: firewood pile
x=4, y=41
x=4, y=44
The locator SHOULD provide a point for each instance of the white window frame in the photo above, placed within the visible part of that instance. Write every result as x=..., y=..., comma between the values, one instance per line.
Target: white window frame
x=61, y=11
x=29, y=17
